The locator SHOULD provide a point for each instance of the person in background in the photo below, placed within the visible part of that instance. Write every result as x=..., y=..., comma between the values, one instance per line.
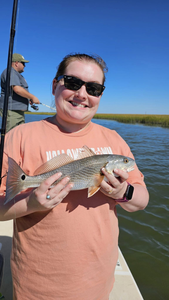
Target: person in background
x=65, y=245
x=19, y=97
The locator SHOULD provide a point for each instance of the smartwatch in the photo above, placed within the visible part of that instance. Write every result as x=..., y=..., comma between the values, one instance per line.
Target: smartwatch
x=128, y=194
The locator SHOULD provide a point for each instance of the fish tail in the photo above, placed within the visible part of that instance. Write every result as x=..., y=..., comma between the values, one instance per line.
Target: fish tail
x=14, y=183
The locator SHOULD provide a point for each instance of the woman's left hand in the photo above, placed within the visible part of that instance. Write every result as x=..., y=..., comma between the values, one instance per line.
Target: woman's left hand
x=115, y=187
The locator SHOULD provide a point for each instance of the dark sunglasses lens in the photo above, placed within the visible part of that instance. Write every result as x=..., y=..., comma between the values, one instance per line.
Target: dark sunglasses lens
x=72, y=83
x=94, y=89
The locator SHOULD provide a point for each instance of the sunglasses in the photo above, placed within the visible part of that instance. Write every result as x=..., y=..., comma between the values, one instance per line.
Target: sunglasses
x=22, y=63
x=74, y=84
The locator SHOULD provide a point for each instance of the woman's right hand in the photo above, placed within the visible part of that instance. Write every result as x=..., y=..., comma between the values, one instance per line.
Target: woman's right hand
x=38, y=200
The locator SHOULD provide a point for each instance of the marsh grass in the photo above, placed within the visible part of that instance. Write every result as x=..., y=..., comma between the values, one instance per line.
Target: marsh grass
x=39, y=113
x=154, y=120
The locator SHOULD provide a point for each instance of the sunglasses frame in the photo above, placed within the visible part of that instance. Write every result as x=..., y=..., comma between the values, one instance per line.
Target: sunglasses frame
x=80, y=83
x=22, y=62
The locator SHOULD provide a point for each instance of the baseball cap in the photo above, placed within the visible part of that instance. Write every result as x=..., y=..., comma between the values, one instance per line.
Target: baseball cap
x=19, y=57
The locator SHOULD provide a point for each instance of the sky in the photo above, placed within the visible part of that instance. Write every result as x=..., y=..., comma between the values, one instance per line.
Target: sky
x=132, y=36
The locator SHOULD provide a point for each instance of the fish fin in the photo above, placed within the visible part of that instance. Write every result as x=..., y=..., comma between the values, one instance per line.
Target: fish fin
x=54, y=163
x=93, y=189
x=13, y=186
x=85, y=152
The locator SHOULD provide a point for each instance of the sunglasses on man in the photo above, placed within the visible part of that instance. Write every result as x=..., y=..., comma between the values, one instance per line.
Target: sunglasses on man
x=22, y=63
x=73, y=83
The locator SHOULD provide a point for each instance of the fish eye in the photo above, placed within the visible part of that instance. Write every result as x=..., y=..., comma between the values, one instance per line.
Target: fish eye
x=23, y=177
x=125, y=160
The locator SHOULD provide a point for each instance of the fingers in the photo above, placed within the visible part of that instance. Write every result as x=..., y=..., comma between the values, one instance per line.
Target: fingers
x=47, y=197
x=46, y=184
x=114, y=187
x=57, y=193
x=122, y=175
x=35, y=100
x=119, y=177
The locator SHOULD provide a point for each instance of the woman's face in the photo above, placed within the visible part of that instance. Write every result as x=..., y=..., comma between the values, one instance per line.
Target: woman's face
x=77, y=107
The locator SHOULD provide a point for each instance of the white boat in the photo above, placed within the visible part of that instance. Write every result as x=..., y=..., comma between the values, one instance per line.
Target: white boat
x=125, y=287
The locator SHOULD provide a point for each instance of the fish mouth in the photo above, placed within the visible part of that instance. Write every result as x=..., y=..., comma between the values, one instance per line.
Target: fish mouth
x=130, y=169
x=76, y=104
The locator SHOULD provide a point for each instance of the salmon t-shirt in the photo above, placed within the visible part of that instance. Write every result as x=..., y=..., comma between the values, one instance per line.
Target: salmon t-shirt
x=71, y=251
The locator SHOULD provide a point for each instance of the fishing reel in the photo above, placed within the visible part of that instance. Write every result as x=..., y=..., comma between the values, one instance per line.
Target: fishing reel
x=35, y=107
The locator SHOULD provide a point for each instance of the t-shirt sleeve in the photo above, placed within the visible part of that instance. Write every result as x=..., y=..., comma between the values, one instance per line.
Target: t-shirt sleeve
x=14, y=79
x=121, y=147
x=135, y=176
x=4, y=172
x=11, y=149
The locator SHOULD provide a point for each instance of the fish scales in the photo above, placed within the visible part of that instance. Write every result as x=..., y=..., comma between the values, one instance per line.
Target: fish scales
x=81, y=172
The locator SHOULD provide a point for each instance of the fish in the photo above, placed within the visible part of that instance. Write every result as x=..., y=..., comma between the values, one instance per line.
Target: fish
x=84, y=172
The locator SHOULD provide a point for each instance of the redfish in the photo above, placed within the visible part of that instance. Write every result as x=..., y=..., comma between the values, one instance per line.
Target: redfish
x=85, y=172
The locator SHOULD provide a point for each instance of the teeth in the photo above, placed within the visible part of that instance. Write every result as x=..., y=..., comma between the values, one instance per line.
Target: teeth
x=77, y=104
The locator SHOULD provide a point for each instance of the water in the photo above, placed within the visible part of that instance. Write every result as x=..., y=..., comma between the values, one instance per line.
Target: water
x=144, y=235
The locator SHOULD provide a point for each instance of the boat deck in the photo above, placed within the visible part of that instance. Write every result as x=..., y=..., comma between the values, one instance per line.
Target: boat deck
x=125, y=287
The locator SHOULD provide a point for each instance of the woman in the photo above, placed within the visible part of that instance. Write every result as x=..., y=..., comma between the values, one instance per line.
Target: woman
x=65, y=245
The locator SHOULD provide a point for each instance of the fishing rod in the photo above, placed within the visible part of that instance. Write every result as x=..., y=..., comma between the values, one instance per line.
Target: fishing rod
x=35, y=107
x=48, y=106
x=7, y=85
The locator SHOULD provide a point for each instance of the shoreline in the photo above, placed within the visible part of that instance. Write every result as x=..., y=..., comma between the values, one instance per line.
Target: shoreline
x=150, y=120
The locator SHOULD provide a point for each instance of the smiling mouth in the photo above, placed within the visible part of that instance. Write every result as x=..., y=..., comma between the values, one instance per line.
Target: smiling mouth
x=77, y=104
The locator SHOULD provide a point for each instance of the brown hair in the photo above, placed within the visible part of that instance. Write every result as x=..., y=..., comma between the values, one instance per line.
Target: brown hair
x=80, y=56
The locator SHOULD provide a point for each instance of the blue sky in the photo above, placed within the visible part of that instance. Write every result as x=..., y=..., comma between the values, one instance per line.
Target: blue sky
x=132, y=36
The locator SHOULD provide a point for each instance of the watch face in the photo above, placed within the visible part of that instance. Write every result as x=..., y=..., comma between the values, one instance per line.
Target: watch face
x=129, y=192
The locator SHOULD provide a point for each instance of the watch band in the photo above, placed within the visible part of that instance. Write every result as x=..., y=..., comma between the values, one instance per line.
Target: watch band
x=128, y=194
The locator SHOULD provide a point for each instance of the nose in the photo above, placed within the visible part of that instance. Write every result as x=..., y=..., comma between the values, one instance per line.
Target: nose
x=82, y=93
